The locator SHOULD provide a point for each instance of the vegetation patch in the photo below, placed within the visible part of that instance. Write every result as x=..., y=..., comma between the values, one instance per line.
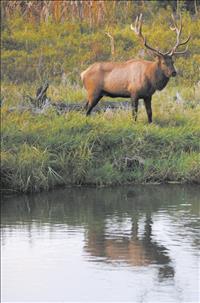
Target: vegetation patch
x=51, y=41
x=41, y=151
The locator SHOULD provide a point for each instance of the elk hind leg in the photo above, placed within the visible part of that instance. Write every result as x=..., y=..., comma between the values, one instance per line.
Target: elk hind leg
x=92, y=103
x=86, y=105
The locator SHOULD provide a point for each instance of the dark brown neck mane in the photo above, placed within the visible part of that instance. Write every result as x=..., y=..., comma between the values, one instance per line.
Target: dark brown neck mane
x=159, y=78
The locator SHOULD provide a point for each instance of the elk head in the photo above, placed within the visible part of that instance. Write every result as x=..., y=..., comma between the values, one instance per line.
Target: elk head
x=165, y=60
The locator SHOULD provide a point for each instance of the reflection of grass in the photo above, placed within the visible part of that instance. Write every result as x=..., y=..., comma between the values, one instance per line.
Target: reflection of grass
x=42, y=151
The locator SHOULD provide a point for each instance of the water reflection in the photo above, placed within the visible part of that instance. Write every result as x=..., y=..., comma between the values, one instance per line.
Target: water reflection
x=131, y=248
x=131, y=228
x=99, y=209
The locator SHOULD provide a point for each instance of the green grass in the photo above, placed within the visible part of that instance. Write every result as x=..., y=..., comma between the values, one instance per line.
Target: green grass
x=14, y=94
x=59, y=51
x=41, y=151
x=46, y=150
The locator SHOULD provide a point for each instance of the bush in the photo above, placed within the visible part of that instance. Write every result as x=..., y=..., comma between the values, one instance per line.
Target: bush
x=37, y=51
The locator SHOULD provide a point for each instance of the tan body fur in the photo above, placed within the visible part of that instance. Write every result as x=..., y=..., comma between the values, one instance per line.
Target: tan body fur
x=133, y=79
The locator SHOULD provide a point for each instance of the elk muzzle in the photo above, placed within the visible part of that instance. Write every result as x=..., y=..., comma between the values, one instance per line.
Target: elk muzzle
x=174, y=73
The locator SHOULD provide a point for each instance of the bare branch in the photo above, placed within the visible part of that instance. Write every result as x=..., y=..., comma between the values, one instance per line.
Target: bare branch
x=112, y=43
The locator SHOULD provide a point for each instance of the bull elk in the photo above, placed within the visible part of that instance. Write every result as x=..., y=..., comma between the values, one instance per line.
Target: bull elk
x=136, y=78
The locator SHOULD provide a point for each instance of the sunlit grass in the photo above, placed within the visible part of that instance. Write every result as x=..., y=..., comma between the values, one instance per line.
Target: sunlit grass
x=177, y=97
x=46, y=150
x=40, y=151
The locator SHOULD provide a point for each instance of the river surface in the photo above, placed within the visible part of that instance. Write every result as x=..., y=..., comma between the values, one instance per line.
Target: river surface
x=136, y=244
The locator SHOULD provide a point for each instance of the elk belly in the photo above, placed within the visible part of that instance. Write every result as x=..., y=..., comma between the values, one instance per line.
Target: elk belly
x=116, y=85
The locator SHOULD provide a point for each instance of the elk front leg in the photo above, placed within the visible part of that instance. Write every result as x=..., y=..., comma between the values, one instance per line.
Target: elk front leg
x=147, y=103
x=134, y=103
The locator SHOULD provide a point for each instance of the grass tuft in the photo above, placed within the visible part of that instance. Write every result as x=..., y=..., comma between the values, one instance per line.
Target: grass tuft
x=39, y=152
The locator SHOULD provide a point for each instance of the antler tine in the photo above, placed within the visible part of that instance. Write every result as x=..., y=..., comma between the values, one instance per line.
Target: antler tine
x=181, y=52
x=175, y=23
x=178, y=31
x=140, y=21
x=138, y=25
x=186, y=41
x=175, y=28
x=134, y=28
x=138, y=30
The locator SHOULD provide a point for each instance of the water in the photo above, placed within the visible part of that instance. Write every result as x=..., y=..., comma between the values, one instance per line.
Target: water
x=137, y=244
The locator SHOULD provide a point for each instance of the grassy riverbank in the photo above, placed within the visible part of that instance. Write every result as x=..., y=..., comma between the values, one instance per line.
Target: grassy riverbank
x=55, y=41
x=46, y=150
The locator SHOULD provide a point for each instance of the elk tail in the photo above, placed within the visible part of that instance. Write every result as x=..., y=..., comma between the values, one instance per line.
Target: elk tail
x=82, y=75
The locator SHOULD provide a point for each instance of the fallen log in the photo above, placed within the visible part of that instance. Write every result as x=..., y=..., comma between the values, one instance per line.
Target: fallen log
x=41, y=103
x=41, y=95
x=63, y=108
x=103, y=106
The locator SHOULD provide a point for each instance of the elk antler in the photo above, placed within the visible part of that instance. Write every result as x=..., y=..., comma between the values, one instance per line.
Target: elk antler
x=138, y=31
x=178, y=31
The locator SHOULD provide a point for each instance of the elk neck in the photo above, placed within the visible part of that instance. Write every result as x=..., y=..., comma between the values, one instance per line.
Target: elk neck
x=158, y=78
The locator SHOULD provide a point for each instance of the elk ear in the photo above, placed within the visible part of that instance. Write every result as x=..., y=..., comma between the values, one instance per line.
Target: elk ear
x=158, y=57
